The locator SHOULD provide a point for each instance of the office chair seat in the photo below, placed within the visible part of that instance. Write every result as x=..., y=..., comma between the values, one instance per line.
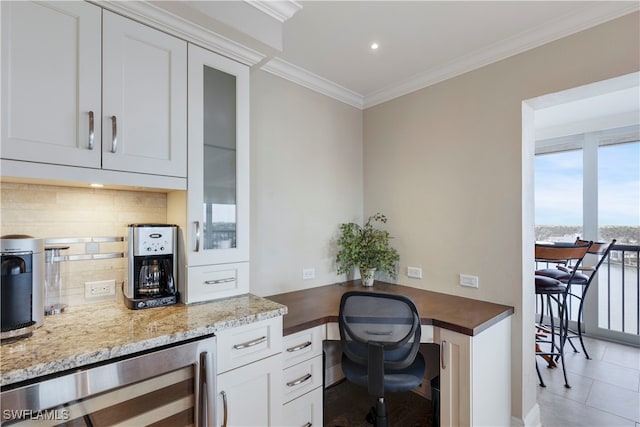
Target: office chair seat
x=394, y=381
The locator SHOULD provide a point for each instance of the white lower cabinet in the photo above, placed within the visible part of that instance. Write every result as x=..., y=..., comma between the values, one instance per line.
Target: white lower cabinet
x=249, y=381
x=302, y=377
x=250, y=395
x=475, y=376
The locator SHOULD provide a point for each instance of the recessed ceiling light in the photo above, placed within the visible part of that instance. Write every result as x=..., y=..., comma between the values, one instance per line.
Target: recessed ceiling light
x=374, y=46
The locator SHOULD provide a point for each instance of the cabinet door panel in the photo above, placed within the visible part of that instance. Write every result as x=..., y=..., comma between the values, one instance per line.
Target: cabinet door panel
x=144, y=80
x=250, y=396
x=218, y=150
x=51, y=58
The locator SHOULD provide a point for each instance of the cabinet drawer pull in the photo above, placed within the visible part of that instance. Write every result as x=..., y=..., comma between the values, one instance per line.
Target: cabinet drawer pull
x=224, y=408
x=218, y=281
x=307, y=425
x=299, y=380
x=91, y=130
x=299, y=347
x=114, y=134
x=250, y=343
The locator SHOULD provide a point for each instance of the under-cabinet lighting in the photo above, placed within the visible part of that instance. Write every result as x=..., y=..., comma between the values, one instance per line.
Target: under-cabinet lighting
x=96, y=185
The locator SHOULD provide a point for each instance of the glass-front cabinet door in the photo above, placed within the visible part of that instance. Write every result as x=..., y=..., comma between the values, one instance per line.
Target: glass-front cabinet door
x=218, y=151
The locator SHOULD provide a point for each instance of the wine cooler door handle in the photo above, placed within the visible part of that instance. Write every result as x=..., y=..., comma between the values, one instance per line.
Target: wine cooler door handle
x=207, y=385
x=91, y=130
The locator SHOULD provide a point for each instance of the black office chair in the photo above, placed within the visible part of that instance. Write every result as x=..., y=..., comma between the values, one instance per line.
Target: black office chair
x=380, y=337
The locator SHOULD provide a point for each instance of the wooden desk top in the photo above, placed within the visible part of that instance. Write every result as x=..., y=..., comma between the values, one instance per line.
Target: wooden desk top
x=316, y=306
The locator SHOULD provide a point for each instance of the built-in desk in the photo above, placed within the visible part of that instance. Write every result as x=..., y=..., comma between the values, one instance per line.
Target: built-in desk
x=474, y=338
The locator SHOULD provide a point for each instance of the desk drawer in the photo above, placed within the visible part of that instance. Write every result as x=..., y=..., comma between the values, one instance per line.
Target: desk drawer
x=245, y=344
x=303, y=345
x=301, y=378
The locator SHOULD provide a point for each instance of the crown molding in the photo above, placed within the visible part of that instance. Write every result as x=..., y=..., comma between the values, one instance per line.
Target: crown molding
x=299, y=75
x=561, y=27
x=178, y=26
x=280, y=10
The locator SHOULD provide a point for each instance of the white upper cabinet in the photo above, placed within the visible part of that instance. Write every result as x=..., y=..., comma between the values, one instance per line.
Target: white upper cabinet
x=51, y=58
x=144, y=99
x=89, y=88
x=218, y=147
x=214, y=213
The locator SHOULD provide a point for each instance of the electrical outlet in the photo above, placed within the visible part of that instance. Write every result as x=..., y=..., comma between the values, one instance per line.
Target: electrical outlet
x=469, y=281
x=414, y=272
x=308, y=273
x=101, y=289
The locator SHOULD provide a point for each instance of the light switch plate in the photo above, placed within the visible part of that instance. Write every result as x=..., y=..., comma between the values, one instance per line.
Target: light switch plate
x=469, y=281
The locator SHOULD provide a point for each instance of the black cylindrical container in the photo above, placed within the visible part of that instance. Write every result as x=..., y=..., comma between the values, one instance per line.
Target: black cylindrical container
x=22, y=285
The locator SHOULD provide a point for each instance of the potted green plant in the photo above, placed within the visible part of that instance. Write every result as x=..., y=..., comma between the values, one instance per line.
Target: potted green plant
x=367, y=248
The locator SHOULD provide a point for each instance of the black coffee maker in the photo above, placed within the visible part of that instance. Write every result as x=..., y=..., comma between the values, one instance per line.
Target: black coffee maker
x=151, y=280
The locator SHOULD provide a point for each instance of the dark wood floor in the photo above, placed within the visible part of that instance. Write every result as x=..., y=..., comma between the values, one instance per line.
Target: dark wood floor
x=346, y=405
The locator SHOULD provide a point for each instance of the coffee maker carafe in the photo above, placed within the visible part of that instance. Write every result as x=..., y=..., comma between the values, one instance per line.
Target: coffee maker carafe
x=152, y=266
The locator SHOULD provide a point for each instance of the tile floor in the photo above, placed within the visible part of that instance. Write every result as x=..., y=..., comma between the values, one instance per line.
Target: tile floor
x=605, y=391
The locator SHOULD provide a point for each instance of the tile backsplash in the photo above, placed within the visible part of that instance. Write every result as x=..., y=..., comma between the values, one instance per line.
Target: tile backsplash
x=48, y=211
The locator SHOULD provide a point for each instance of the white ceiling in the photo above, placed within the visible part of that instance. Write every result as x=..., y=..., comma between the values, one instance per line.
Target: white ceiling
x=325, y=45
x=423, y=42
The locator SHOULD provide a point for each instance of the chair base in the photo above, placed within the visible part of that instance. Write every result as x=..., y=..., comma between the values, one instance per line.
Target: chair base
x=377, y=416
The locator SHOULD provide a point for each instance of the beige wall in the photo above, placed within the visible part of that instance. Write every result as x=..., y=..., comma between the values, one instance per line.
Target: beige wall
x=306, y=178
x=48, y=211
x=445, y=164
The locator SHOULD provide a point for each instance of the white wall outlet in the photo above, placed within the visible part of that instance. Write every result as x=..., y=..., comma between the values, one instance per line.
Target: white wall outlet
x=414, y=272
x=101, y=289
x=469, y=281
x=308, y=273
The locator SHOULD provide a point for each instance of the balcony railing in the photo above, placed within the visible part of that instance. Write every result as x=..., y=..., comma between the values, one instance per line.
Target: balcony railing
x=619, y=291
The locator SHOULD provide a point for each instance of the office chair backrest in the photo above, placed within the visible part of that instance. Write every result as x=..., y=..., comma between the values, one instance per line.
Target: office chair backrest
x=389, y=322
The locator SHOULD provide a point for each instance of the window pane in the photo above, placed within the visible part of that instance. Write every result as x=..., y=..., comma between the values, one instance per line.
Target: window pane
x=558, y=196
x=619, y=193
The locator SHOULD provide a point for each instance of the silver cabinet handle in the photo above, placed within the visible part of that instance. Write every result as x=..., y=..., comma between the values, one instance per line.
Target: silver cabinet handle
x=307, y=425
x=196, y=226
x=250, y=343
x=299, y=380
x=218, y=281
x=207, y=410
x=299, y=347
x=91, y=131
x=443, y=354
x=224, y=408
x=114, y=134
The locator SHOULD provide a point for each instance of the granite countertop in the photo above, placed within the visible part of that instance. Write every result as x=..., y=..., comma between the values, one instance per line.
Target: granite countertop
x=100, y=332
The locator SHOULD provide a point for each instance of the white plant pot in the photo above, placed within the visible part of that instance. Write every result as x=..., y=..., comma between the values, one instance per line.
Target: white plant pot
x=367, y=276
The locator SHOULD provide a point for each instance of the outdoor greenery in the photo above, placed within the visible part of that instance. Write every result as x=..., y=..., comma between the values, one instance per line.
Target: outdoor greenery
x=366, y=247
